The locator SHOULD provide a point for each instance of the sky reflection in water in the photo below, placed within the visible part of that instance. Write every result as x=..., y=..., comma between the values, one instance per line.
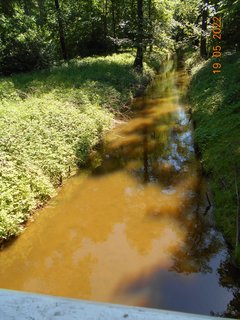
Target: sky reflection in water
x=132, y=231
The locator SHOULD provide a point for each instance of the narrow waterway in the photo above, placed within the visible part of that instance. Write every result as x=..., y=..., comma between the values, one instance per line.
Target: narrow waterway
x=134, y=229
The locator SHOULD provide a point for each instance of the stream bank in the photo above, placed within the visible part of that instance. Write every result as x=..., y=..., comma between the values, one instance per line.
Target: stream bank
x=50, y=120
x=215, y=104
x=132, y=230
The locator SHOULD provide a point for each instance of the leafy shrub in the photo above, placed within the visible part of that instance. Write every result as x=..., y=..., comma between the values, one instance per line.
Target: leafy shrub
x=22, y=47
x=49, y=121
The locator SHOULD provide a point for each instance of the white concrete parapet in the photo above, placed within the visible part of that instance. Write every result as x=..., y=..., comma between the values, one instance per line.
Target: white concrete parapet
x=26, y=306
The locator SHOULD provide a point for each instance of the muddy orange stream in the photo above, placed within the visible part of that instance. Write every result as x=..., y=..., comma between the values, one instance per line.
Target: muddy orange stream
x=132, y=229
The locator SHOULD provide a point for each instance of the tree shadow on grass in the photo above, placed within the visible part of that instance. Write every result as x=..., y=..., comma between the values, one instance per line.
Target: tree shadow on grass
x=76, y=75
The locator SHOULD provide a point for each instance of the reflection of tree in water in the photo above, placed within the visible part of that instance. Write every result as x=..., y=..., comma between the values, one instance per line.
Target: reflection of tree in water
x=229, y=277
x=136, y=146
x=201, y=244
x=153, y=150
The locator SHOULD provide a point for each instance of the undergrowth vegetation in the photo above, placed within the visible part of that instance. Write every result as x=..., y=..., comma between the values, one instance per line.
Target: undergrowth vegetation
x=49, y=121
x=216, y=112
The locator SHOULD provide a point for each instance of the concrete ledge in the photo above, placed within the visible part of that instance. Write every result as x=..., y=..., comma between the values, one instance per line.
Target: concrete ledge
x=24, y=306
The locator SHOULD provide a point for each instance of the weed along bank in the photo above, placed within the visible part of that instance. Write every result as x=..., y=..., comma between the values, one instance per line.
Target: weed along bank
x=215, y=106
x=50, y=121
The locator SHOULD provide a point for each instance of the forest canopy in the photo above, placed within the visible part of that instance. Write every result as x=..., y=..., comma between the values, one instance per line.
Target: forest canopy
x=37, y=33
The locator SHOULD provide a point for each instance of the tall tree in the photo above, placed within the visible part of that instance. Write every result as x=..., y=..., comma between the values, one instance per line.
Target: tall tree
x=229, y=10
x=114, y=23
x=105, y=14
x=42, y=12
x=150, y=23
x=203, y=41
x=138, y=63
x=61, y=30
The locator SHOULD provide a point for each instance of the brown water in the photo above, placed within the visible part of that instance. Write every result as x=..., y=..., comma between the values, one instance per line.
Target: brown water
x=133, y=229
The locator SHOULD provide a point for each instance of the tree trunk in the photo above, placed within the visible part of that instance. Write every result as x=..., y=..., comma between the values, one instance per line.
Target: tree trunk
x=138, y=63
x=150, y=24
x=203, y=43
x=42, y=12
x=105, y=13
x=61, y=31
x=114, y=23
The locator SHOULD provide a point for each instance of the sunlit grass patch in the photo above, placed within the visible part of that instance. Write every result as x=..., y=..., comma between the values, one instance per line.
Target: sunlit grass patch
x=49, y=121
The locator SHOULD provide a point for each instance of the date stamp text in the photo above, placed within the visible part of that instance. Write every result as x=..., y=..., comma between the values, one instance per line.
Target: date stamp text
x=217, y=48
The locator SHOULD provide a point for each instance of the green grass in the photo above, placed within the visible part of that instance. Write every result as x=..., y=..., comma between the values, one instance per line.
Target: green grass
x=216, y=110
x=49, y=121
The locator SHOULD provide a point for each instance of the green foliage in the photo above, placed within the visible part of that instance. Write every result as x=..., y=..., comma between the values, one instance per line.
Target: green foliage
x=49, y=121
x=30, y=30
x=155, y=57
x=35, y=34
x=186, y=23
x=216, y=111
x=22, y=46
x=229, y=10
x=192, y=60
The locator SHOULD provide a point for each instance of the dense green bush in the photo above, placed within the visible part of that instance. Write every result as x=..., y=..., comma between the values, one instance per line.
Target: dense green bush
x=155, y=58
x=49, y=120
x=229, y=10
x=22, y=44
x=40, y=140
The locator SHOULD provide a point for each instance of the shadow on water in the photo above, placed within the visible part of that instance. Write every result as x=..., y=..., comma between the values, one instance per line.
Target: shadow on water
x=163, y=147
x=133, y=231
